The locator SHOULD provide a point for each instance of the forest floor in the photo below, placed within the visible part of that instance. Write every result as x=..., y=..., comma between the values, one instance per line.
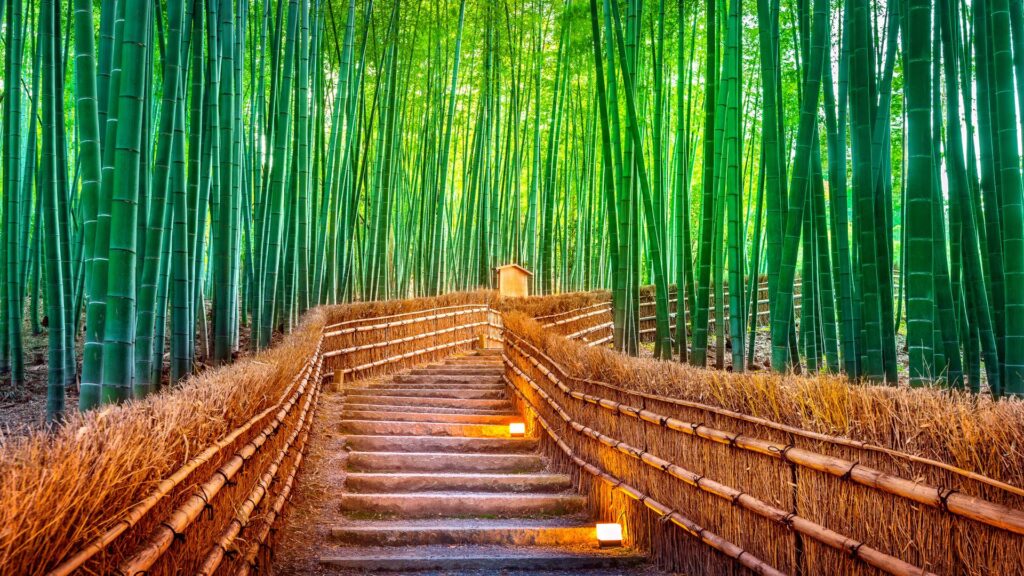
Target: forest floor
x=24, y=410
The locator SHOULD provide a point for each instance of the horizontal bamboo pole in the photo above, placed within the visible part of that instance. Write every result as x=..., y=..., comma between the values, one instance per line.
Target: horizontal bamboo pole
x=407, y=322
x=391, y=359
x=741, y=556
x=180, y=518
x=548, y=317
x=590, y=330
x=646, y=304
x=403, y=340
x=606, y=307
x=858, y=550
x=598, y=312
x=947, y=499
x=338, y=325
x=296, y=443
x=248, y=563
x=137, y=512
x=517, y=341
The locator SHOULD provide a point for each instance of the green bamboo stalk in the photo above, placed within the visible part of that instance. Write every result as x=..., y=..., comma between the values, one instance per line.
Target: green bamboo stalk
x=119, y=330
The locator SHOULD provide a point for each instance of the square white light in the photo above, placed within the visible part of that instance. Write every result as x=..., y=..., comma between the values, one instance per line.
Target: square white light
x=609, y=535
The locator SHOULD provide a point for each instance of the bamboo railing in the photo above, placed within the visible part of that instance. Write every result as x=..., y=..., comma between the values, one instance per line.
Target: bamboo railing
x=754, y=493
x=176, y=520
x=371, y=347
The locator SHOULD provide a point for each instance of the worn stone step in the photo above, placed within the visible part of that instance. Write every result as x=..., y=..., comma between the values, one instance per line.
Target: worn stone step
x=464, y=393
x=443, y=462
x=430, y=417
x=458, y=482
x=459, y=371
x=443, y=380
x=482, y=559
x=467, y=403
x=461, y=504
x=517, y=532
x=474, y=361
x=382, y=427
x=451, y=444
x=425, y=409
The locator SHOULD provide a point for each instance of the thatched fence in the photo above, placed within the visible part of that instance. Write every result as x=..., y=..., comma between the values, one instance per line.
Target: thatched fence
x=706, y=487
x=369, y=347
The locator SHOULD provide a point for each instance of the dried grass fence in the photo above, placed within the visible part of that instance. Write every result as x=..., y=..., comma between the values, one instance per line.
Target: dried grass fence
x=761, y=470
x=193, y=480
x=394, y=339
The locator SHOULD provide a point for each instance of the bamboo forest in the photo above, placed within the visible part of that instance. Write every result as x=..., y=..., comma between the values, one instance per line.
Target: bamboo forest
x=183, y=179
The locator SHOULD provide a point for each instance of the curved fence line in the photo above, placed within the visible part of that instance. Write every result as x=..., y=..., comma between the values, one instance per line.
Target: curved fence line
x=871, y=556
x=761, y=422
x=779, y=479
x=947, y=499
x=731, y=550
x=205, y=495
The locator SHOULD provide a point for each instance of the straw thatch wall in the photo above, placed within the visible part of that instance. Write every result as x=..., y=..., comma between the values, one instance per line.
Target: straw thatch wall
x=117, y=473
x=758, y=467
x=191, y=481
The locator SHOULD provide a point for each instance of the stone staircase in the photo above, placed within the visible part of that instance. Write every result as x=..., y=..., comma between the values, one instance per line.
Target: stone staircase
x=436, y=485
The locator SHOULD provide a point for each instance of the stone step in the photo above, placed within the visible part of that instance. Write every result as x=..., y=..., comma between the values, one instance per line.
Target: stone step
x=550, y=532
x=474, y=361
x=483, y=559
x=459, y=371
x=443, y=462
x=382, y=427
x=431, y=417
x=448, y=482
x=461, y=504
x=451, y=444
x=424, y=409
x=442, y=381
x=466, y=403
x=463, y=393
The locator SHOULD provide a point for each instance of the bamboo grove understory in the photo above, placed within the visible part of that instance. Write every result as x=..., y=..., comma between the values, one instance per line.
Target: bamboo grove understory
x=178, y=174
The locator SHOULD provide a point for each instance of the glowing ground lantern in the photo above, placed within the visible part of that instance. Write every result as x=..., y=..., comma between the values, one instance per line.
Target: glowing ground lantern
x=517, y=429
x=609, y=535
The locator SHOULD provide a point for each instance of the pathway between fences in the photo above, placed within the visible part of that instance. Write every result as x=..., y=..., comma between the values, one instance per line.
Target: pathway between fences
x=443, y=436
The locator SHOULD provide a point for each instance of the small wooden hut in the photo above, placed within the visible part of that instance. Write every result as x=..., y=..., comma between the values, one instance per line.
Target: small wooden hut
x=513, y=280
